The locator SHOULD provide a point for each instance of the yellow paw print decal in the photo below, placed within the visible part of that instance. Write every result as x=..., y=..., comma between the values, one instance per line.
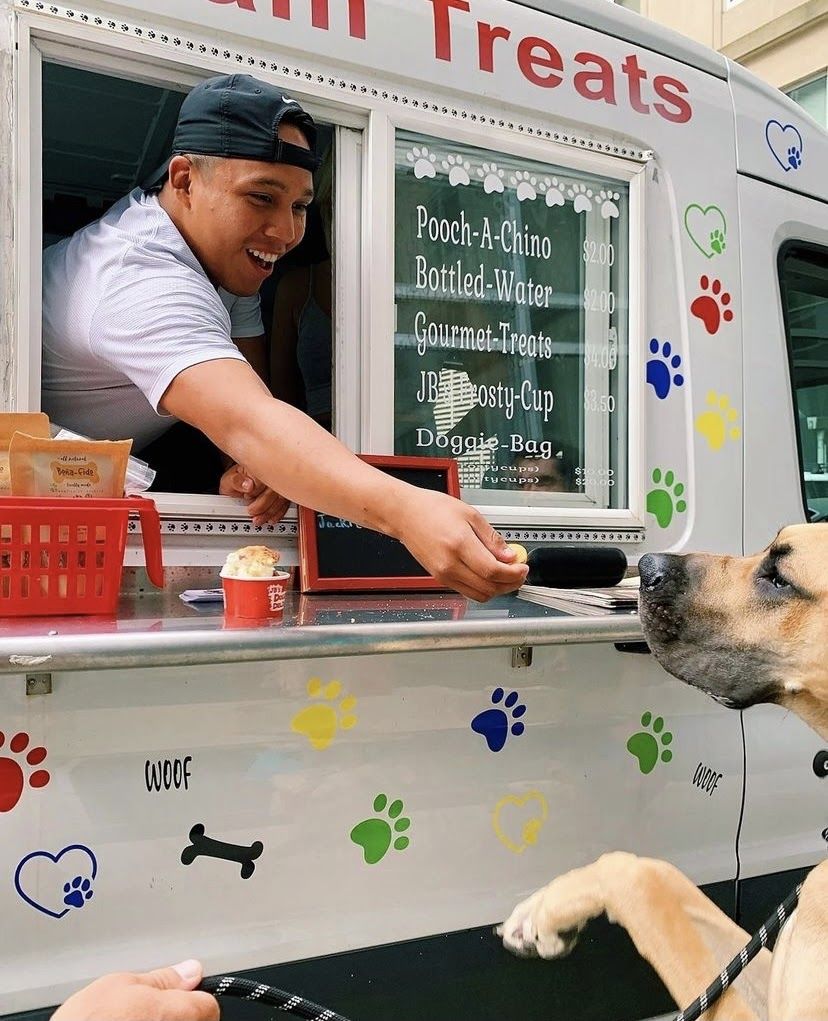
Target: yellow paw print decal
x=718, y=422
x=517, y=821
x=320, y=721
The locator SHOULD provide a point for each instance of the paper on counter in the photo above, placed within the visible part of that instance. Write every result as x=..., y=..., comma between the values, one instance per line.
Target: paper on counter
x=202, y=595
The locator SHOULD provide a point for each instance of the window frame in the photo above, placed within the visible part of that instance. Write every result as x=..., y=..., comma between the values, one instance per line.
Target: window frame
x=377, y=434
x=789, y=246
x=61, y=45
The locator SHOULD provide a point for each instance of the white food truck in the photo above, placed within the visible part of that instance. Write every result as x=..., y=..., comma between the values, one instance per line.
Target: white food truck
x=583, y=256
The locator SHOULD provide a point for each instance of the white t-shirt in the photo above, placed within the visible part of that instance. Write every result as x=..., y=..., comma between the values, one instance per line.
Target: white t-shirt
x=126, y=307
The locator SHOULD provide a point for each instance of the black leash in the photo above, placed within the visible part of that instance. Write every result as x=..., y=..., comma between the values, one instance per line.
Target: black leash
x=742, y=959
x=244, y=989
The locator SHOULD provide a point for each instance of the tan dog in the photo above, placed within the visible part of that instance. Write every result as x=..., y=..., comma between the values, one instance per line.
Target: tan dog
x=745, y=630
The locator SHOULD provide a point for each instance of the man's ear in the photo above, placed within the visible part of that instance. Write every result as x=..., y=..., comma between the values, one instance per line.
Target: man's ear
x=181, y=178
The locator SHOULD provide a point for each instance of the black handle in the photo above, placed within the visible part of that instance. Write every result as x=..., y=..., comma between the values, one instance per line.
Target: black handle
x=640, y=648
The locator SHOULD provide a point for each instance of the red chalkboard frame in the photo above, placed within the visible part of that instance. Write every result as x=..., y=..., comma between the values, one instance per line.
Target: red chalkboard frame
x=310, y=578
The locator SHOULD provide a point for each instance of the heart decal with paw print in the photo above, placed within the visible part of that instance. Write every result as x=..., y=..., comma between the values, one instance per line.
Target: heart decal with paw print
x=510, y=816
x=707, y=229
x=785, y=144
x=55, y=884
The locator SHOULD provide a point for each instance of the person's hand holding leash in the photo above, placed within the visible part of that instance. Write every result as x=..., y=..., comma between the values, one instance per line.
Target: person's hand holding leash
x=167, y=994
x=264, y=506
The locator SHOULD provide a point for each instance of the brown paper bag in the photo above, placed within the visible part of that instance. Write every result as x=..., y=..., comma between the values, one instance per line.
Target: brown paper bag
x=44, y=467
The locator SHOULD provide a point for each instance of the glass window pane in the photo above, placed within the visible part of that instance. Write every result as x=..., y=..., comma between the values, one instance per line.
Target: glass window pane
x=813, y=98
x=805, y=301
x=511, y=349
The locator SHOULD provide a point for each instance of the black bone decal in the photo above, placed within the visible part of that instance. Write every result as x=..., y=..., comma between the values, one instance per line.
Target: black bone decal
x=207, y=847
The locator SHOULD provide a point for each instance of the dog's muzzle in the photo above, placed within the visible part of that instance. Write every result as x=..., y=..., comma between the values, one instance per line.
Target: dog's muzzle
x=689, y=641
x=663, y=584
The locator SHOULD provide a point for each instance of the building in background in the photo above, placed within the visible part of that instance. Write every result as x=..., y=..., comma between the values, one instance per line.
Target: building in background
x=785, y=42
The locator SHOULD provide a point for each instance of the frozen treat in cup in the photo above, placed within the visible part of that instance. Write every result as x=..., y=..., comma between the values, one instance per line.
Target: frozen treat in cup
x=253, y=586
x=250, y=562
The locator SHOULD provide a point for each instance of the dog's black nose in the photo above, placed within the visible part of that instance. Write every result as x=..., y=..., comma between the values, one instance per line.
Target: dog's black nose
x=658, y=568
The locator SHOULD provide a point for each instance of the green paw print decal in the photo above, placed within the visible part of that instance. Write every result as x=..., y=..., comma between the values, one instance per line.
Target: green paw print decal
x=665, y=500
x=718, y=242
x=650, y=745
x=375, y=835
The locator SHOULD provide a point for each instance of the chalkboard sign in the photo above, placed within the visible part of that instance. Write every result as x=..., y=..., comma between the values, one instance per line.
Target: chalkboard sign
x=337, y=555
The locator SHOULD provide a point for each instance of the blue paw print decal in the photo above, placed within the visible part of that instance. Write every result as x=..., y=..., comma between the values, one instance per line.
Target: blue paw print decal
x=497, y=723
x=78, y=892
x=785, y=144
x=662, y=370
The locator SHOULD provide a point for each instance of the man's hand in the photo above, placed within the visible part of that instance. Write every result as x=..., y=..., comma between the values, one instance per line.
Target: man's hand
x=458, y=546
x=162, y=995
x=263, y=505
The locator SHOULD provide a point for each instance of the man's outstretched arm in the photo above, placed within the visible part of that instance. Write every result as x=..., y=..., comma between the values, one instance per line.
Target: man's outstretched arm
x=294, y=456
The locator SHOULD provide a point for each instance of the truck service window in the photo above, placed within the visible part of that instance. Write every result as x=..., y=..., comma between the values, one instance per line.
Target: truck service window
x=511, y=290
x=804, y=278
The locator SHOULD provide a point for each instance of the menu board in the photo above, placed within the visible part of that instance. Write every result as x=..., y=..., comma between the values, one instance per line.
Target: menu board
x=511, y=292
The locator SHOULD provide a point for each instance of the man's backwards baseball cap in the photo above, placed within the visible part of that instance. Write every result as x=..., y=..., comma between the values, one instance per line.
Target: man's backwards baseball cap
x=238, y=116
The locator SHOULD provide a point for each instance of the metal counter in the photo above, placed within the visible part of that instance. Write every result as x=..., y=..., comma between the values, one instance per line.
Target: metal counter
x=158, y=629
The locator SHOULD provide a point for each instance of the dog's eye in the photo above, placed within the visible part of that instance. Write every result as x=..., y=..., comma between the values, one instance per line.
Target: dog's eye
x=776, y=580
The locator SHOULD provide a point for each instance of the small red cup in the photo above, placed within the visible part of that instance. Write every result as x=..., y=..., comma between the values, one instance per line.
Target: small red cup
x=256, y=598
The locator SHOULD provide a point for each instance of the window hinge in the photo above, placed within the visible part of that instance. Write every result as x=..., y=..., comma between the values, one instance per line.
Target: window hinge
x=521, y=656
x=38, y=684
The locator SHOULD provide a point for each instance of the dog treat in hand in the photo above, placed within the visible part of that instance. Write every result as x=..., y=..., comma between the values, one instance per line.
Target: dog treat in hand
x=521, y=556
x=40, y=466
x=251, y=562
x=34, y=423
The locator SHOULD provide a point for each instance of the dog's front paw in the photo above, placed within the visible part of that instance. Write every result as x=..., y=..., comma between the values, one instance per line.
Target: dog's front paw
x=530, y=930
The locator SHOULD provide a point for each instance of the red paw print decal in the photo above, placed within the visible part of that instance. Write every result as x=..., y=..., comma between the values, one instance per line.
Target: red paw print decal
x=712, y=305
x=13, y=769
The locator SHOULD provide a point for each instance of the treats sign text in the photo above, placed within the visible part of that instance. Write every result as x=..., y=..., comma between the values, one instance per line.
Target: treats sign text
x=591, y=75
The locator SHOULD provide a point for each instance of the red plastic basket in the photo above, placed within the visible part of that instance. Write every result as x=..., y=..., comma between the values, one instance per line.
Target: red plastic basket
x=60, y=556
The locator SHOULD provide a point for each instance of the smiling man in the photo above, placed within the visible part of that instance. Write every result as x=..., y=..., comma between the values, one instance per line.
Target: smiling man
x=137, y=335
x=169, y=277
